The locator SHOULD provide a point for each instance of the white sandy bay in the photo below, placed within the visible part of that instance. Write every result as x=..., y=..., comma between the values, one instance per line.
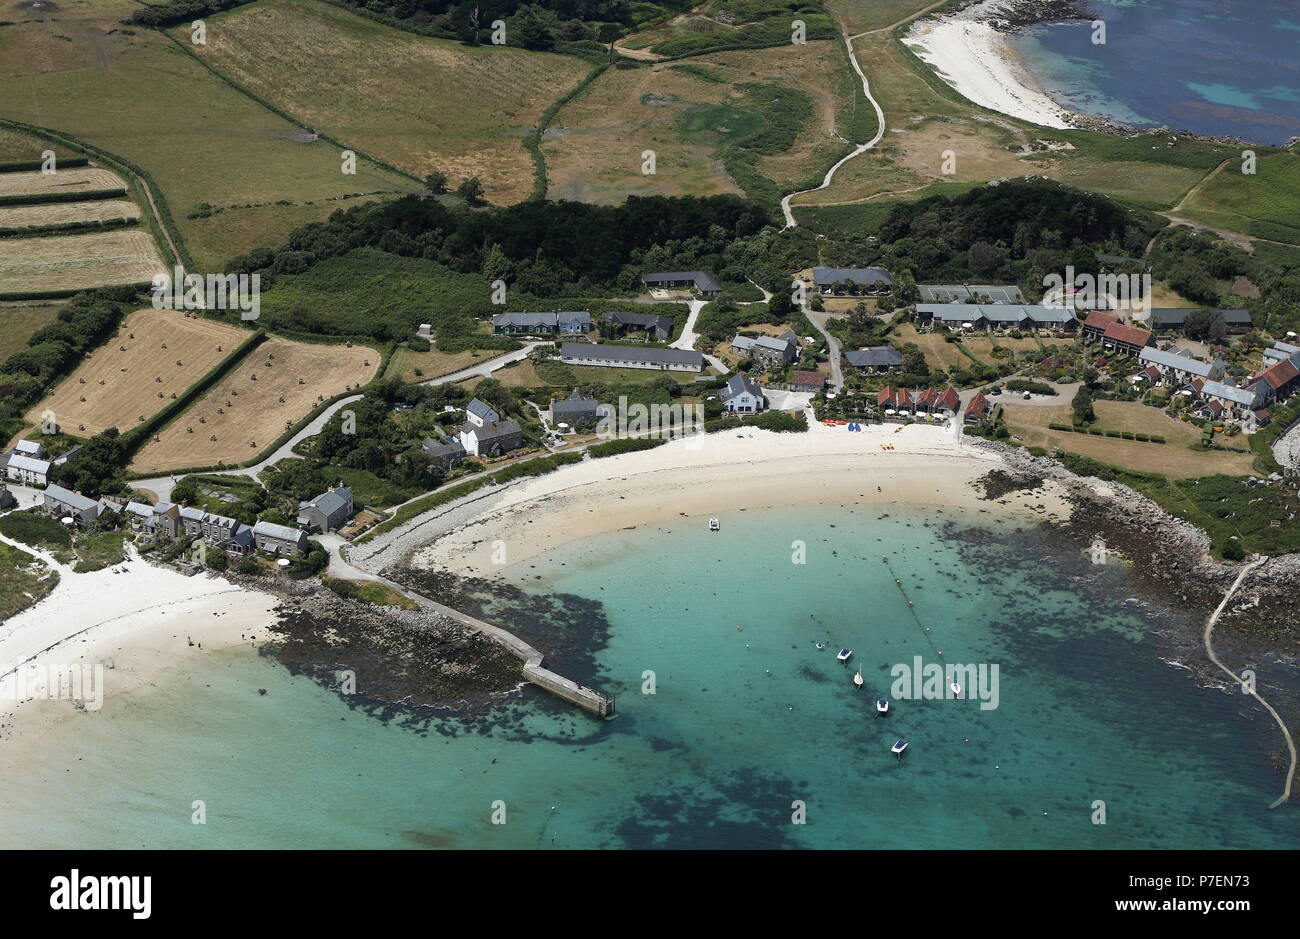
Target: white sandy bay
x=702, y=477
x=975, y=59
x=138, y=625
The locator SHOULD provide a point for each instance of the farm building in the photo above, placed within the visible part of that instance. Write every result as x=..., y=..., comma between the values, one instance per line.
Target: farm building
x=1178, y=367
x=701, y=281
x=742, y=396
x=677, y=360
x=447, y=454
x=656, y=327
x=852, y=280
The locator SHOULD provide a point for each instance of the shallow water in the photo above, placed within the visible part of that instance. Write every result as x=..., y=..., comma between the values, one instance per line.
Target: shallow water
x=743, y=722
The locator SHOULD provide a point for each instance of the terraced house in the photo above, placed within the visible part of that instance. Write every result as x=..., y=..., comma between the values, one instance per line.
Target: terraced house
x=1177, y=367
x=767, y=350
x=876, y=360
x=541, y=324
x=611, y=356
x=1116, y=336
x=982, y=317
x=852, y=280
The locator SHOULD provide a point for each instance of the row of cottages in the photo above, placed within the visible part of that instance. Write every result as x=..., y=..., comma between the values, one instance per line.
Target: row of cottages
x=742, y=395
x=612, y=356
x=1175, y=367
x=852, y=280
x=1115, y=335
x=655, y=326
x=969, y=294
x=981, y=317
x=876, y=360
x=944, y=403
x=1172, y=320
x=575, y=411
x=542, y=324
x=771, y=351
x=702, y=282
x=26, y=463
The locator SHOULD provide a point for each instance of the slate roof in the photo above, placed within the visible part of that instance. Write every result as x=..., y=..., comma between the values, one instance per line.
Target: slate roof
x=493, y=431
x=575, y=403
x=1170, y=317
x=272, y=530
x=1180, y=360
x=32, y=465
x=703, y=280
x=1217, y=389
x=875, y=357
x=28, y=447
x=330, y=502
x=740, y=383
x=854, y=275
x=642, y=320
x=649, y=354
x=956, y=293
x=69, y=498
x=482, y=410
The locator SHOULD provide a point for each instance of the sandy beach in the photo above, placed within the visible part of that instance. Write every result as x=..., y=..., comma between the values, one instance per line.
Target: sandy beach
x=135, y=626
x=702, y=478
x=974, y=58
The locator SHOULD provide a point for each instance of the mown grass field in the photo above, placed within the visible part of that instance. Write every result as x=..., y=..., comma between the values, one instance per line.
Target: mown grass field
x=421, y=366
x=688, y=112
x=74, y=179
x=63, y=213
x=201, y=140
x=417, y=103
x=65, y=262
x=926, y=118
x=1174, y=458
x=117, y=380
x=276, y=385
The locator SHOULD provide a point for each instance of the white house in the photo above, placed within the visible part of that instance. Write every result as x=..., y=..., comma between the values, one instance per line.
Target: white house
x=1178, y=367
x=479, y=413
x=28, y=470
x=742, y=396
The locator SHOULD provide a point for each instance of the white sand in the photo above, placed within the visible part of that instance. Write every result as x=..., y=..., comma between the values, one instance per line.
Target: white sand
x=137, y=625
x=699, y=478
x=974, y=58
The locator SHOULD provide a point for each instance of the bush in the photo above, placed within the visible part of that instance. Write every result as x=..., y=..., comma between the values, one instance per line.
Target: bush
x=1232, y=550
x=625, y=445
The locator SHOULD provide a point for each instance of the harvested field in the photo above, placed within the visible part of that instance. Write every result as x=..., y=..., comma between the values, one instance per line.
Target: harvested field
x=276, y=386
x=67, y=262
x=117, y=379
x=418, y=103
x=65, y=213
x=76, y=179
x=432, y=364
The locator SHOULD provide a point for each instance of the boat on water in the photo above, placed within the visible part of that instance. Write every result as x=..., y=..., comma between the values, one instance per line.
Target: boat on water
x=882, y=706
x=844, y=655
x=898, y=748
x=857, y=679
x=714, y=524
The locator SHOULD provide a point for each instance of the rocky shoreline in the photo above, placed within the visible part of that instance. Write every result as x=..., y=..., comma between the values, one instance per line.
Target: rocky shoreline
x=1169, y=553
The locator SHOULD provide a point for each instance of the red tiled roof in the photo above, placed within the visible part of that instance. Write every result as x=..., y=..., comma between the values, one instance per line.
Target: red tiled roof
x=1118, y=332
x=817, y=379
x=978, y=404
x=948, y=398
x=885, y=397
x=1280, y=374
x=1150, y=372
x=1100, y=320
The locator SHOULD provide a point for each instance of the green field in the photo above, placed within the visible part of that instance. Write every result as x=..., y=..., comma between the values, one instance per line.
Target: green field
x=20, y=320
x=1265, y=204
x=416, y=103
x=199, y=139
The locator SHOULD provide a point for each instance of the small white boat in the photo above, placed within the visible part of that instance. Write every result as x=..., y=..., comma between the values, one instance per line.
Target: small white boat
x=714, y=524
x=882, y=706
x=898, y=748
x=955, y=689
x=857, y=679
x=844, y=654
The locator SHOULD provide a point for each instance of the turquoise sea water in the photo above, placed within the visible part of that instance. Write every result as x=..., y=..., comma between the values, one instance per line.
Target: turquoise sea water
x=744, y=722
x=1216, y=67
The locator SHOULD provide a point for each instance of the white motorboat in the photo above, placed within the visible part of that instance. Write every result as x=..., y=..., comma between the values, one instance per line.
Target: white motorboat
x=844, y=655
x=882, y=706
x=898, y=748
x=714, y=524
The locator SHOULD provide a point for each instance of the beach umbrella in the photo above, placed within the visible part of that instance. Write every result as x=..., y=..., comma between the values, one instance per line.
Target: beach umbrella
x=283, y=562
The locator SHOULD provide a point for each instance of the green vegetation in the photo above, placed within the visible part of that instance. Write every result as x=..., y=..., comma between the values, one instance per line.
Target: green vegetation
x=19, y=587
x=366, y=591
x=98, y=550
x=779, y=421
x=40, y=531
x=625, y=445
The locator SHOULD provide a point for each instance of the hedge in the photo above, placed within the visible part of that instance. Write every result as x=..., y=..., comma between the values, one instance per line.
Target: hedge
x=533, y=142
x=27, y=166
x=67, y=228
x=625, y=445
x=47, y=198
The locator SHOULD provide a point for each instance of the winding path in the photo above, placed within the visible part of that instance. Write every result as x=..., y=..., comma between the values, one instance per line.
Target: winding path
x=1209, y=649
x=857, y=151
